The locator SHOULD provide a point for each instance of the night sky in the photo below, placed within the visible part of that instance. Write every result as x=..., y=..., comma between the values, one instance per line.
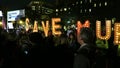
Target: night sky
x=16, y=4
x=20, y=4
x=13, y=4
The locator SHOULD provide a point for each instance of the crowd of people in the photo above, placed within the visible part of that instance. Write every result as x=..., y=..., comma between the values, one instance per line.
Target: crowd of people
x=34, y=50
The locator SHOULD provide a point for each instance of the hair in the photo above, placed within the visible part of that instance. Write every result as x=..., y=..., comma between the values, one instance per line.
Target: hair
x=71, y=33
x=87, y=35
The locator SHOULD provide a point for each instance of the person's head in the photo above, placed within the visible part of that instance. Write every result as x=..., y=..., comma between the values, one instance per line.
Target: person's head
x=63, y=39
x=71, y=35
x=86, y=36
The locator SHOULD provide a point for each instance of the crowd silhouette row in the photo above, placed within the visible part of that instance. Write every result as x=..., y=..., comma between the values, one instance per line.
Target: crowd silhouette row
x=34, y=50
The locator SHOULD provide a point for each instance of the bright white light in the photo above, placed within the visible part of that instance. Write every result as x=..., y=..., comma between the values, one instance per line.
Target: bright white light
x=56, y=10
x=10, y=25
x=81, y=2
x=95, y=5
x=105, y=3
x=26, y=52
x=65, y=9
x=68, y=22
x=1, y=14
x=90, y=10
x=20, y=22
x=0, y=23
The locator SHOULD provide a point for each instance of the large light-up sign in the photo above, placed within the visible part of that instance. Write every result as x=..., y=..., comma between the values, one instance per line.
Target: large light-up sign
x=117, y=33
x=108, y=30
x=56, y=26
x=27, y=21
x=35, y=28
x=45, y=27
x=80, y=25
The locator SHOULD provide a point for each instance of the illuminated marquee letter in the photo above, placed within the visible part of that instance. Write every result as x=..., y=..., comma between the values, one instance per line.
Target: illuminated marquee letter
x=56, y=26
x=45, y=27
x=79, y=25
x=35, y=28
x=27, y=24
x=108, y=30
x=117, y=33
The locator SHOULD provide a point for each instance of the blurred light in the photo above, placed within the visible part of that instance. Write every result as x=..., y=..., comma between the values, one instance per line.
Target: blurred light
x=61, y=10
x=56, y=10
x=21, y=22
x=56, y=14
x=69, y=8
x=112, y=29
x=69, y=12
x=105, y=3
x=95, y=5
x=36, y=2
x=33, y=7
x=81, y=2
x=65, y=28
x=13, y=21
x=113, y=20
x=68, y=22
x=26, y=52
x=1, y=14
x=90, y=1
x=81, y=11
x=65, y=9
x=85, y=10
x=39, y=7
x=119, y=50
x=73, y=26
x=76, y=3
x=0, y=23
x=73, y=4
x=90, y=10
x=100, y=4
